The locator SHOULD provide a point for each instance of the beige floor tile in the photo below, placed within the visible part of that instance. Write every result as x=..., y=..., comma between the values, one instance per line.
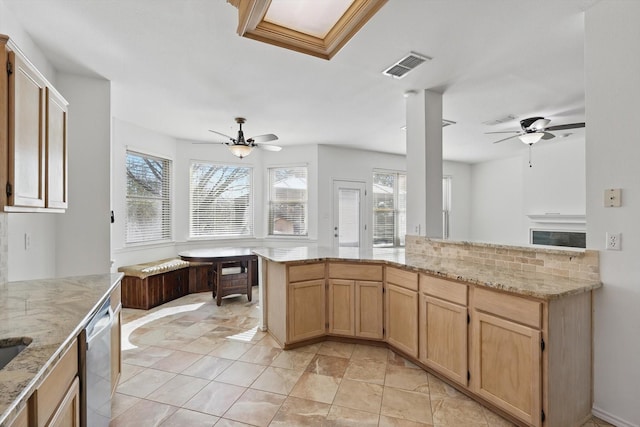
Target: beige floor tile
x=291, y=359
x=440, y=389
x=223, y=422
x=241, y=373
x=145, y=382
x=296, y=412
x=177, y=362
x=454, y=411
x=207, y=367
x=178, y=390
x=255, y=407
x=370, y=353
x=145, y=355
x=337, y=349
x=231, y=350
x=215, y=398
x=129, y=371
x=203, y=344
x=310, y=348
x=260, y=354
x=121, y=402
x=185, y=417
x=328, y=365
x=395, y=359
x=386, y=421
x=407, y=378
x=345, y=417
x=493, y=419
x=359, y=395
x=366, y=370
x=319, y=388
x=199, y=329
x=267, y=340
x=407, y=405
x=277, y=380
x=144, y=413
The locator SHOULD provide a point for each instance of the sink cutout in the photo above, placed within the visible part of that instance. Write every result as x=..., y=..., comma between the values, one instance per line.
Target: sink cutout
x=11, y=347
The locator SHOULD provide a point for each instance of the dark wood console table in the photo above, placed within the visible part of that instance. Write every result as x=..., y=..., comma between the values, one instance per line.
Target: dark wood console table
x=221, y=258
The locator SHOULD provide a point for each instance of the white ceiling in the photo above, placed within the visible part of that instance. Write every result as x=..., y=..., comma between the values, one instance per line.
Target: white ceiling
x=178, y=67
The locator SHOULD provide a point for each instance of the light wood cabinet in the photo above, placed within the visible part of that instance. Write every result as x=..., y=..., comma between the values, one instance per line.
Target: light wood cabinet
x=22, y=419
x=116, y=337
x=306, y=310
x=401, y=310
x=443, y=327
x=33, y=137
x=57, y=398
x=355, y=301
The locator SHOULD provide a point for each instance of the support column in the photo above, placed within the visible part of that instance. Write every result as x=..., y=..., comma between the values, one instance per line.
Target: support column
x=424, y=164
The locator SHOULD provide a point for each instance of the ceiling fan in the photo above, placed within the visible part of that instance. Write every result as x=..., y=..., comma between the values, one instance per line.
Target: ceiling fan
x=535, y=128
x=241, y=147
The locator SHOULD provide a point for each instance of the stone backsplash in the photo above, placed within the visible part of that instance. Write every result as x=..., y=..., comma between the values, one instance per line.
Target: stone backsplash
x=577, y=264
x=4, y=249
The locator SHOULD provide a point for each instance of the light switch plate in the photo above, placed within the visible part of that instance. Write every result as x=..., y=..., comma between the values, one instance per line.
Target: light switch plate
x=612, y=198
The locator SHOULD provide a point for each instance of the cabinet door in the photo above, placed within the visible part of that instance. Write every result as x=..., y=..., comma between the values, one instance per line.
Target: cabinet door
x=56, y=151
x=402, y=319
x=26, y=134
x=306, y=302
x=443, y=337
x=342, y=307
x=369, y=309
x=68, y=413
x=506, y=366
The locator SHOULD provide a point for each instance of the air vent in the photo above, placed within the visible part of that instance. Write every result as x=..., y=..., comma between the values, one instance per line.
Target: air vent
x=405, y=64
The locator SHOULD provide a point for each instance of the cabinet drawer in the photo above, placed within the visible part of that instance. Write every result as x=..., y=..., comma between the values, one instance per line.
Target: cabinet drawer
x=55, y=386
x=301, y=273
x=510, y=307
x=355, y=271
x=447, y=290
x=404, y=278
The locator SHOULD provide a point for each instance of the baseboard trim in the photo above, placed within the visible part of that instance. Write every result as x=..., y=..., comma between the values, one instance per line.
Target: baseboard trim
x=610, y=418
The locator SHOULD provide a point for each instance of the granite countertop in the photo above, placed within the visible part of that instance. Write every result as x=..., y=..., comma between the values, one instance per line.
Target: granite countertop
x=533, y=284
x=51, y=312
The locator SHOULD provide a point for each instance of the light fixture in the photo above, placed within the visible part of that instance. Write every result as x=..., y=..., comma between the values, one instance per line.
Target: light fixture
x=531, y=137
x=240, y=150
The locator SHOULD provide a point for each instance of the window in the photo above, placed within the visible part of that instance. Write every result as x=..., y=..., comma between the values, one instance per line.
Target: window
x=220, y=200
x=148, y=198
x=389, y=209
x=288, y=201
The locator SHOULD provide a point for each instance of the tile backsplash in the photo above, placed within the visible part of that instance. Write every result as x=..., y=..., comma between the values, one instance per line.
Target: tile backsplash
x=4, y=248
x=578, y=264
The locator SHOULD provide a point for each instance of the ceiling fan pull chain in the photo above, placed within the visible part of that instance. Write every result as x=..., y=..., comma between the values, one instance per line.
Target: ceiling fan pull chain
x=530, y=165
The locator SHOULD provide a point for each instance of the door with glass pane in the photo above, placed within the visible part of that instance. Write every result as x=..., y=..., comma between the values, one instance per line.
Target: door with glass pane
x=348, y=214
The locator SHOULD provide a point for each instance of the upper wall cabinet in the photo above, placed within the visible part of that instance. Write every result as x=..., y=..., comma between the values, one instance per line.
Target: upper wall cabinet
x=33, y=137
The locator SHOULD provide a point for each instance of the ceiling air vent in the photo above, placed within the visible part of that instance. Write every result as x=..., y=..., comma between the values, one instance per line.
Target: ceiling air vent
x=404, y=65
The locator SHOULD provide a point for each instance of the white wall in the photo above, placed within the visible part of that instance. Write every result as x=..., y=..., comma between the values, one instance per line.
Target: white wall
x=352, y=165
x=613, y=160
x=496, y=201
x=460, y=213
x=82, y=233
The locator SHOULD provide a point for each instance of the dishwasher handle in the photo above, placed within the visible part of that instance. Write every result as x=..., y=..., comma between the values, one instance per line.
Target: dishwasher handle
x=100, y=326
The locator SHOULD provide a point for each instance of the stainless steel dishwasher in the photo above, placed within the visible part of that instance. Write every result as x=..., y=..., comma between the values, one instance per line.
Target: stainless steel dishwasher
x=98, y=361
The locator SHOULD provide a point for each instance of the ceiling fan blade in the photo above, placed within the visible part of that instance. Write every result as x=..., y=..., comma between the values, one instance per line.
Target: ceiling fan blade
x=548, y=135
x=222, y=134
x=264, y=138
x=209, y=142
x=269, y=147
x=505, y=131
x=567, y=126
x=504, y=139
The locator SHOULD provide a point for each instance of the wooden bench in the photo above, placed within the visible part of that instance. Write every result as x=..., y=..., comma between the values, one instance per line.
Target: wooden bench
x=150, y=284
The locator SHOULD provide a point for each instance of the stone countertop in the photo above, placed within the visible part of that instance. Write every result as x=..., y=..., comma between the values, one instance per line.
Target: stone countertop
x=533, y=284
x=51, y=312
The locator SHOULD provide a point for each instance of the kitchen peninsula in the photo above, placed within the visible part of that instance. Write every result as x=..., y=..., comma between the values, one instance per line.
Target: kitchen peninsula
x=509, y=326
x=41, y=382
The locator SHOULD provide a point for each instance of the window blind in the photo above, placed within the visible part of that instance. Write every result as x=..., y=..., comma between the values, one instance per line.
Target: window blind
x=389, y=209
x=288, y=201
x=220, y=200
x=148, y=198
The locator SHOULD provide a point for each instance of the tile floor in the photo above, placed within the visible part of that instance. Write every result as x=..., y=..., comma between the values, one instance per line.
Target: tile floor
x=192, y=363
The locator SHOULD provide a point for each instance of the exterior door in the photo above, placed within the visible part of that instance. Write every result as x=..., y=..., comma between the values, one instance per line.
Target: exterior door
x=348, y=214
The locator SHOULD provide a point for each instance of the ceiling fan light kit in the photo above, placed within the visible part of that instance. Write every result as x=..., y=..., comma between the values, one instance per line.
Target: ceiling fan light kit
x=531, y=138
